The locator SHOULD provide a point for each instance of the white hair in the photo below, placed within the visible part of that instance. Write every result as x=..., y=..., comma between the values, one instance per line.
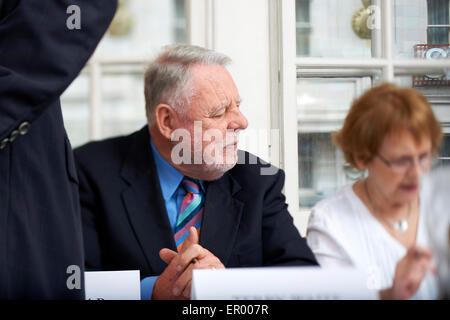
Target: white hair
x=168, y=79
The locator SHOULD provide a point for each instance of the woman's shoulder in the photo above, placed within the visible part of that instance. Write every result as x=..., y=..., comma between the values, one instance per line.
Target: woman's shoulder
x=336, y=206
x=328, y=228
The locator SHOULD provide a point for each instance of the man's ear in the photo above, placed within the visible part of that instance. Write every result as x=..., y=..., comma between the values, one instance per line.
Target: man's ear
x=166, y=120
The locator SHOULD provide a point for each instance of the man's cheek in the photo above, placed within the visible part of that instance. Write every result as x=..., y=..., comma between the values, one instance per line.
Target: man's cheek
x=212, y=153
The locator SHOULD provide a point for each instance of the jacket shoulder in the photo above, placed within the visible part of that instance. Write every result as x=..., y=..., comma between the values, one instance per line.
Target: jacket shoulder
x=112, y=150
x=251, y=169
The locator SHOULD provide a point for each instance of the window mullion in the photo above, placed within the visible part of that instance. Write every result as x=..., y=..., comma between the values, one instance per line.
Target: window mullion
x=200, y=22
x=377, y=39
x=387, y=39
x=288, y=105
x=95, y=100
x=340, y=63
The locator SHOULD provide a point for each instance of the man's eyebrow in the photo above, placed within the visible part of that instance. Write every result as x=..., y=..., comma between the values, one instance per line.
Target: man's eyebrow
x=238, y=101
x=223, y=106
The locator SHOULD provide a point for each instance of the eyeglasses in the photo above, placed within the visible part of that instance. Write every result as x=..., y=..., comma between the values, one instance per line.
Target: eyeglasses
x=400, y=165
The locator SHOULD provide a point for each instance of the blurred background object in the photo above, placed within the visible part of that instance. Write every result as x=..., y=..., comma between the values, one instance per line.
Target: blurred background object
x=437, y=202
x=123, y=20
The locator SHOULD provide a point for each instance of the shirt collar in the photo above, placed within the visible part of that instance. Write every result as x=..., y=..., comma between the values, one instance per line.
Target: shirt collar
x=169, y=177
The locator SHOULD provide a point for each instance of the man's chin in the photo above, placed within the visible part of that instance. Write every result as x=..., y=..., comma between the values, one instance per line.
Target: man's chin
x=216, y=171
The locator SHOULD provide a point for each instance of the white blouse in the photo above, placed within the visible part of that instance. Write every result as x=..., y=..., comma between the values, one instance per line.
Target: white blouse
x=343, y=233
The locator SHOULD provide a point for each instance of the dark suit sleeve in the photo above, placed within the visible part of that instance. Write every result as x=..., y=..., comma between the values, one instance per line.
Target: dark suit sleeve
x=90, y=212
x=283, y=244
x=40, y=56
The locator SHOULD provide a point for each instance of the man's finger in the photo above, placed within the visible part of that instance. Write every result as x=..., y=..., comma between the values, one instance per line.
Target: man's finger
x=167, y=255
x=187, y=290
x=188, y=252
x=192, y=255
x=182, y=281
x=171, y=273
x=192, y=238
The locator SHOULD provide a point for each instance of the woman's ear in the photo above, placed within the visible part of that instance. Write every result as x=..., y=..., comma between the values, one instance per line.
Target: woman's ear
x=361, y=161
x=166, y=120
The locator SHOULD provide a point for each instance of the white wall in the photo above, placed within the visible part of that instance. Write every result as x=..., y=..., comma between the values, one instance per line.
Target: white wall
x=244, y=37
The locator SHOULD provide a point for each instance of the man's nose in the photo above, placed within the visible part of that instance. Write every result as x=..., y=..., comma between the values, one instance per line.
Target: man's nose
x=238, y=121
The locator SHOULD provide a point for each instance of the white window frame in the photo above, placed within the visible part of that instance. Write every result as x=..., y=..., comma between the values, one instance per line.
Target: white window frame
x=290, y=63
x=208, y=25
x=200, y=30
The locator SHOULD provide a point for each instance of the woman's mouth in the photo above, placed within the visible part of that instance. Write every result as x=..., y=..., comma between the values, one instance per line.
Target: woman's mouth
x=409, y=188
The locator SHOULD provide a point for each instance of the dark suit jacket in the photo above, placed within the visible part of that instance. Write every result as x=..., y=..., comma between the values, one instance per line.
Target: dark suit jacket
x=40, y=225
x=125, y=224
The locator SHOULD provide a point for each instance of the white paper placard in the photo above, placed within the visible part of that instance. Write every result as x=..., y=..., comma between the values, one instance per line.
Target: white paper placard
x=113, y=285
x=287, y=283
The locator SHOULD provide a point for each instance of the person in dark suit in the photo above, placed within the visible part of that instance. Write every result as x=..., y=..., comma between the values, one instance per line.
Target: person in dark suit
x=40, y=224
x=197, y=202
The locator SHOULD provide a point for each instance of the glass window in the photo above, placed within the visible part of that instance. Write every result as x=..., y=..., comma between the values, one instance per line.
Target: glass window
x=75, y=107
x=438, y=28
x=142, y=27
x=123, y=105
x=437, y=92
x=445, y=148
x=421, y=28
x=139, y=29
x=322, y=168
x=303, y=25
x=326, y=28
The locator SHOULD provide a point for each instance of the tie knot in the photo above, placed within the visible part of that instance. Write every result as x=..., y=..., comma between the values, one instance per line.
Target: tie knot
x=191, y=185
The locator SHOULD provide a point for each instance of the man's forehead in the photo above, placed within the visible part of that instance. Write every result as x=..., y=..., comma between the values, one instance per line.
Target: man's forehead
x=211, y=74
x=214, y=82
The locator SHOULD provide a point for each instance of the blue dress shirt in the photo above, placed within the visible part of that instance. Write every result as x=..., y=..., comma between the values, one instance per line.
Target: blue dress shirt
x=173, y=194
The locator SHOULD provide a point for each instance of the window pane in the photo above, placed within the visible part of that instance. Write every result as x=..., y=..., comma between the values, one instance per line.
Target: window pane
x=123, y=103
x=139, y=29
x=445, y=150
x=324, y=29
x=422, y=28
x=322, y=168
x=142, y=27
x=435, y=87
x=75, y=108
x=438, y=18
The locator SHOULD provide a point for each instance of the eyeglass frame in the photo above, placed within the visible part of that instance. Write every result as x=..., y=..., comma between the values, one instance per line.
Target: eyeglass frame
x=411, y=162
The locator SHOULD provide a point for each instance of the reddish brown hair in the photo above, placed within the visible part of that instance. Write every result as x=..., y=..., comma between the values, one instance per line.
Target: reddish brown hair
x=381, y=111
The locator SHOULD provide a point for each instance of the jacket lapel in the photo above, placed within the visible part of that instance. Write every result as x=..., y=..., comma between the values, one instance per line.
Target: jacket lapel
x=144, y=202
x=221, y=217
x=148, y=215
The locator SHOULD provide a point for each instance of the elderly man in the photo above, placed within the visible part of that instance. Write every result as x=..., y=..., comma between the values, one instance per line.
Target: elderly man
x=177, y=195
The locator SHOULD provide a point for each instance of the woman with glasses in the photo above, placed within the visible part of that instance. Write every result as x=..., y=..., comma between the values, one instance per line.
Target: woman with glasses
x=377, y=223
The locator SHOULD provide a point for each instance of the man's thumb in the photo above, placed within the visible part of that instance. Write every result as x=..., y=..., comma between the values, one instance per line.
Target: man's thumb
x=191, y=239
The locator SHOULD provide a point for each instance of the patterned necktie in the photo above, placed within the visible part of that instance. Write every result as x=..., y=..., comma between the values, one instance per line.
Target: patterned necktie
x=191, y=211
